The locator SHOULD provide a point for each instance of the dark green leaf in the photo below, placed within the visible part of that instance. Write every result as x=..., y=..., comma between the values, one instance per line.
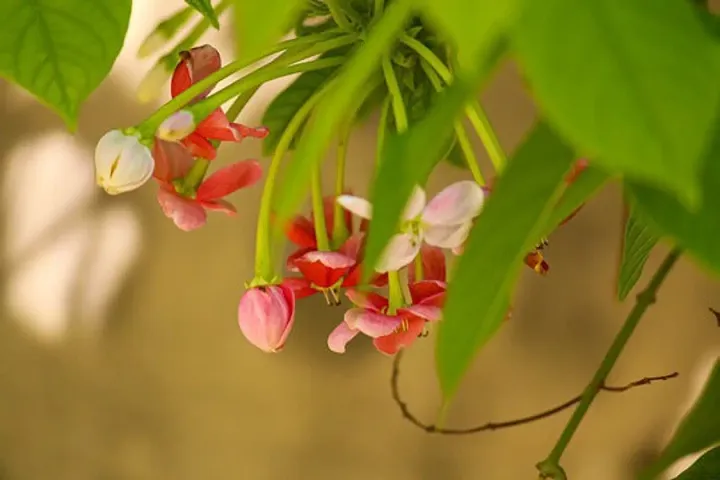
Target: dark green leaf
x=455, y=155
x=60, y=51
x=699, y=429
x=707, y=467
x=206, y=10
x=697, y=230
x=373, y=101
x=478, y=294
x=284, y=107
x=638, y=242
x=607, y=76
x=339, y=102
x=259, y=24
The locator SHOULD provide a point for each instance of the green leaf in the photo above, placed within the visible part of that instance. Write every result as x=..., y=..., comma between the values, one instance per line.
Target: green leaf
x=259, y=24
x=638, y=242
x=339, y=102
x=478, y=294
x=469, y=23
x=707, y=467
x=206, y=10
x=60, y=51
x=606, y=75
x=284, y=107
x=699, y=429
x=695, y=230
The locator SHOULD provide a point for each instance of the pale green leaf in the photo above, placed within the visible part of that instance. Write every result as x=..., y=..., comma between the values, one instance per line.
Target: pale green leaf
x=638, y=242
x=60, y=50
x=259, y=24
x=632, y=84
x=510, y=224
x=206, y=10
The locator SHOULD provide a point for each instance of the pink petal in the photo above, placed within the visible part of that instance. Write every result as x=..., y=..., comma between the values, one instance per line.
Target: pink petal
x=401, y=251
x=456, y=204
x=447, y=236
x=324, y=269
x=339, y=338
x=195, y=64
x=415, y=204
x=301, y=287
x=393, y=343
x=429, y=313
x=428, y=292
x=240, y=131
x=353, y=246
x=266, y=316
x=230, y=179
x=371, y=323
x=367, y=300
x=357, y=205
x=433, y=262
x=172, y=160
x=221, y=206
x=185, y=213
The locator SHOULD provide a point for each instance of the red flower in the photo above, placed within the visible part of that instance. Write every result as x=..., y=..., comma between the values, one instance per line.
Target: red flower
x=173, y=161
x=196, y=64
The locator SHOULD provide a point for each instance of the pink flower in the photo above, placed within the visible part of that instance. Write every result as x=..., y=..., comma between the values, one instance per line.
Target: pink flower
x=390, y=333
x=195, y=65
x=173, y=161
x=443, y=222
x=266, y=315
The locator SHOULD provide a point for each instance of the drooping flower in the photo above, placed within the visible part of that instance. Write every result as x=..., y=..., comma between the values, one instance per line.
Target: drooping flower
x=266, y=315
x=443, y=222
x=195, y=65
x=122, y=163
x=187, y=209
x=391, y=332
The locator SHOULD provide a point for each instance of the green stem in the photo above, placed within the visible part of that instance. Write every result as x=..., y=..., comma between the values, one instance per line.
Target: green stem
x=196, y=174
x=148, y=127
x=382, y=128
x=378, y=7
x=460, y=133
x=419, y=270
x=396, y=297
x=321, y=234
x=338, y=15
x=194, y=35
x=550, y=467
x=474, y=110
x=240, y=103
x=263, y=260
x=340, y=231
x=398, y=106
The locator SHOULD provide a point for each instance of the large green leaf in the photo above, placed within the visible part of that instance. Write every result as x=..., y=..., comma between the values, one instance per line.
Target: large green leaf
x=707, y=467
x=206, y=10
x=510, y=224
x=60, y=50
x=284, y=107
x=339, y=102
x=633, y=84
x=697, y=230
x=638, y=242
x=699, y=429
x=259, y=24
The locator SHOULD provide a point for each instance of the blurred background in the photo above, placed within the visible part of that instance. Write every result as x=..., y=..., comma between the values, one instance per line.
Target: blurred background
x=120, y=355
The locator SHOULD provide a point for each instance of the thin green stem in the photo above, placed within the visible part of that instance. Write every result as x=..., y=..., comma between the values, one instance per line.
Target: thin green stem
x=378, y=7
x=194, y=34
x=148, y=127
x=340, y=232
x=398, y=106
x=419, y=270
x=550, y=467
x=474, y=111
x=382, y=128
x=196, y=174
x=396, y=298
x=240, y=103
x=321, y=234
x=338, y=14
x=264, y=270
x=460, y=133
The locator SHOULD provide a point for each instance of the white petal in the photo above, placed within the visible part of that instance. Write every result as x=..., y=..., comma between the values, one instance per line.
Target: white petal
x=415, y=204
x=447, y=236
x=122, y=163
x=108, y=150
x=401, y=251
x=176, y=127
x=357, y=205
x=456, y=204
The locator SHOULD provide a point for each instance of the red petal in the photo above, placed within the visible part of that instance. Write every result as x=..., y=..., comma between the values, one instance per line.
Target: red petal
x=222, y=206
x=195, y=64
x=241, y=131
x=324, y=269
x=199, y=146
x=428, y=292
x=353, y=246
x=186, y=214
x=391, y=344
x=290, y=262
x=367, y=300
x=301, y=287
x=215, y=126
x=433, y=262
x=301, y=232
x=172, y=160
x=229, y=179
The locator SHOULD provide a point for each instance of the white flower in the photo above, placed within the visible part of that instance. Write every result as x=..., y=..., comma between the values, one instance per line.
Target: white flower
x=122, y=163
x=444, y=222
x=176, y=127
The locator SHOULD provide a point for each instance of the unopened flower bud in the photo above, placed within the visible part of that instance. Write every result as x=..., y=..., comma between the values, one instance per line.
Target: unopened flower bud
x=122, y=163
x=176, y=127
x=266, y=315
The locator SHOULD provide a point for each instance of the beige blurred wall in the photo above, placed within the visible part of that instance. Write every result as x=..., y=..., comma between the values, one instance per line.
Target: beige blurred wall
x=160, y=384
